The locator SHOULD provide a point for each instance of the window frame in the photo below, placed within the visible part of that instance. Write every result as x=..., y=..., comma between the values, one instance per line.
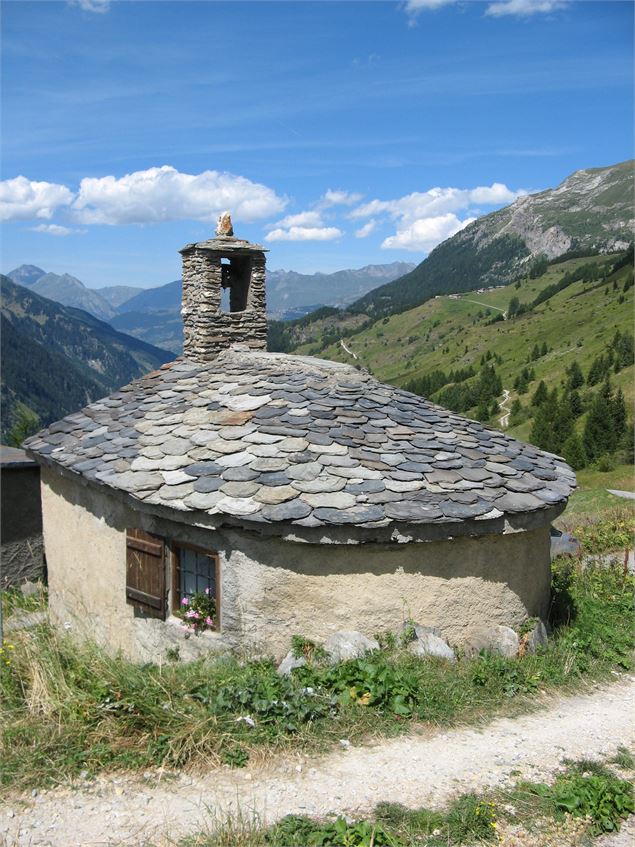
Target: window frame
x=175, y=604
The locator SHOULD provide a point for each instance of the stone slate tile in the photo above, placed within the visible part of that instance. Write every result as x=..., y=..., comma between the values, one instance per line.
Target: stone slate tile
x=193, y=421
x=242, y=473
x=293, y=510
x=206, y=484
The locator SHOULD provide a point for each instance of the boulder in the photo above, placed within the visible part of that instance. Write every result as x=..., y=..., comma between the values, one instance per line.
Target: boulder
x=535, y=638
x=31, y=589
x=348, y=644
x=289, y=663
x=429, y=643
x=501, y=640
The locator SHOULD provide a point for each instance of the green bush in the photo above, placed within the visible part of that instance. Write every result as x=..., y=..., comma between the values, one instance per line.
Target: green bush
x=296, y=831
x=602, y=797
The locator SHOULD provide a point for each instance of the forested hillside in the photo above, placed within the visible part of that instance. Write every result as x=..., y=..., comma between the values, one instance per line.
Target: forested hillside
x=56, y=359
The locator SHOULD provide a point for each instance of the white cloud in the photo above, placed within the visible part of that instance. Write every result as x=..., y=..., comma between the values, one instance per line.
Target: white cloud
x=22, y=199
x=304, y=233
x=436, y=201
x=425, y=218
x=165, y=194
x=424, y=234
x=524, y=8
x=414, y=7
x=496, y=9
x=365, y=230
x=55, y=229
x=98, y=6
x=339, y=198
x=309, y=218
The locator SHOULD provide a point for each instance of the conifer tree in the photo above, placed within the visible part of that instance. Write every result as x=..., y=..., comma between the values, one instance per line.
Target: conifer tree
x=516, y=412
x=573, y=451
x=576, y=403
x=576, y=377
x=563, y=422
x=542, y=429
x=540, y=394
x=599, y=429
x=544, y=349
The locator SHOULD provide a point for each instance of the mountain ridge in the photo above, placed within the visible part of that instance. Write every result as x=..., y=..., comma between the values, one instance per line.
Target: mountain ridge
x=590, y=210
x=56, y=358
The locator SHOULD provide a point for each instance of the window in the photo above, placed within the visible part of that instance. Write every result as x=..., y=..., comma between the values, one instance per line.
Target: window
x=195, y=571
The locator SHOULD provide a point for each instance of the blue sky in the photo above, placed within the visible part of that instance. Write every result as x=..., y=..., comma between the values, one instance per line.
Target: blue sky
x=338, y=133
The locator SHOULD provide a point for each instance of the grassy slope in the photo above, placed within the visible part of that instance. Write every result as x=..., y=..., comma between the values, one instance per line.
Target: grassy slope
x=576, y=324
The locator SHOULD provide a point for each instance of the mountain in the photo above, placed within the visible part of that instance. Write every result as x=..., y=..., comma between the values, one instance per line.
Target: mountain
x=161, y=297
x=64, y=289
x=163, y=328
x=26, y=275
x=287, y=290
x=116, y=295
x=590, y=212
x=155, y=314
x=56, y=359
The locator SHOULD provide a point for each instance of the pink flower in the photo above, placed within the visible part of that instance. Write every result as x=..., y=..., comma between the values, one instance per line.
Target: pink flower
x=209, y=621
x=207, y=590
x=185, y=601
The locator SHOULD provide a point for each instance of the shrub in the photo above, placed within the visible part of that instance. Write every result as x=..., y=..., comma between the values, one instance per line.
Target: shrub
x=602, y=797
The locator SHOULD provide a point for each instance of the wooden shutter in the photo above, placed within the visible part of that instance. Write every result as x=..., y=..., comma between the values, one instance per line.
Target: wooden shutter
x=145, y=572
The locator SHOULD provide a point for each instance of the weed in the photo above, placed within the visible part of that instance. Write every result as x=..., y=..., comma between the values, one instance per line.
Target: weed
x=614, y=531
x=387, y=640
x=304, y=832
x=67, y=707
x=304, y=648
x=235, y=757
x=602, y=797
x=527, y=626
x=624, y=759
x=408, y=633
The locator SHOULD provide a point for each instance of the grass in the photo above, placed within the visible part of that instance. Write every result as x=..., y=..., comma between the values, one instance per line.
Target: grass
x=67, y=708
x=591, y=499
x=584, y=800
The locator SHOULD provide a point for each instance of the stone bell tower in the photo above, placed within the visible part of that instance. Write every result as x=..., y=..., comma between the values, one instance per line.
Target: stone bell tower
x=209, y=267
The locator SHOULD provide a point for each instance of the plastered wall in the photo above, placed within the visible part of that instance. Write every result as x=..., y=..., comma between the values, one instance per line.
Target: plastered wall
x=272, y=589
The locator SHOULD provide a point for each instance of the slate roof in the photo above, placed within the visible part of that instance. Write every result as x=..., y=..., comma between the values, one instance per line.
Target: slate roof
x=265, y=437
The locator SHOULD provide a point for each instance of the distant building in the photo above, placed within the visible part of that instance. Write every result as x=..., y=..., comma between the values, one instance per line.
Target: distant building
x=302, y=495
x=21, y=547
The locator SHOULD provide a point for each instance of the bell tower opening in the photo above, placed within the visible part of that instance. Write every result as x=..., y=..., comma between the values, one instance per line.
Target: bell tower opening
x=223, y=294
x=235, y=280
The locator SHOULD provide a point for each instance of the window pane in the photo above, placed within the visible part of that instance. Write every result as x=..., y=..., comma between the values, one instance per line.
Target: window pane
x=197, y=572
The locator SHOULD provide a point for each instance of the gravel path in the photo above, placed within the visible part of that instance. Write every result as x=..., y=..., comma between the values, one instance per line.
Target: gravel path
x=504, y=418
x=415, y=770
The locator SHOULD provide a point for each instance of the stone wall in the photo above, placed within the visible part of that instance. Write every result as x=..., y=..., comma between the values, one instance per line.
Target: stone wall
x=206, y=328
x=21, y=548
x=272, y=589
